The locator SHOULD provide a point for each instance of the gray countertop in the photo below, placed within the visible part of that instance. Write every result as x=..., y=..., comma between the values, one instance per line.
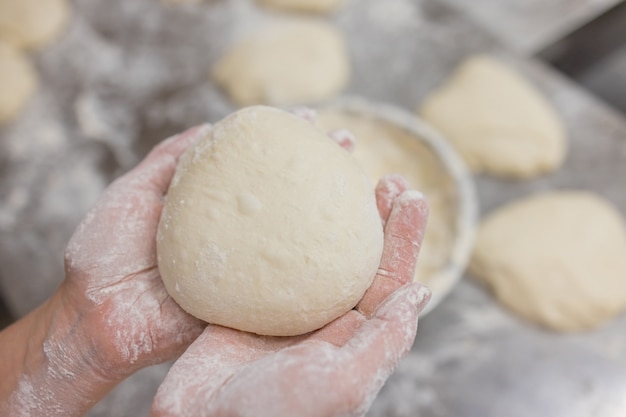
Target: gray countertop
x=126, y=76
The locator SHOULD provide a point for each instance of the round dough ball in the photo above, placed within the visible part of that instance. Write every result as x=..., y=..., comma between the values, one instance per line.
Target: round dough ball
x=17, y=83
x=558, y=259
x=311, y=6
x=268, y=226
x=497, y=120
x=296, y=62
x=32, y=23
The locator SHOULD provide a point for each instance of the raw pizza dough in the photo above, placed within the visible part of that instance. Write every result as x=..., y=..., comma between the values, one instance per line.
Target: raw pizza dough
x=17, y=83
x=32, y=23
x=557, y=258
x=300, y=61
x=269, y=226
x=312, y=6
x=497, y=120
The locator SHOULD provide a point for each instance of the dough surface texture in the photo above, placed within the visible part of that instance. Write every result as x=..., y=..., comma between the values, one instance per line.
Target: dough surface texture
x=17, y=83
x=32, y=23
x=300, y=61
x=312, y=6
x=497, y=120
x=558, y=259
x=269, y=226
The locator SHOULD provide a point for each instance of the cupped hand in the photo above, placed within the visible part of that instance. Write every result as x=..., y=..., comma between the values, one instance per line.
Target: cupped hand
x=335, y=371
x=112, y=280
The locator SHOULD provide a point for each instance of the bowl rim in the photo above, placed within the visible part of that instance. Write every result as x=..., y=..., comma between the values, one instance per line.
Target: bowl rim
x=467, y=211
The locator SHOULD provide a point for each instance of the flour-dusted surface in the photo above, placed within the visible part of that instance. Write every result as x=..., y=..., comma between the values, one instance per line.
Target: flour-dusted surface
x=127, y=74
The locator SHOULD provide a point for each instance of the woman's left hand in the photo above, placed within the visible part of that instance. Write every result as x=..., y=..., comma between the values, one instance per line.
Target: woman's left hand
x=335, y=371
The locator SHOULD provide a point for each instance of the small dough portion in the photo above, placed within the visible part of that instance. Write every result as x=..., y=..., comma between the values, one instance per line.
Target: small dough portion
x=558, y=259
x=293, y=62
x=497, y=120
x=32, y=24
x=308, y=6
x=268, y=226
x=17, y=83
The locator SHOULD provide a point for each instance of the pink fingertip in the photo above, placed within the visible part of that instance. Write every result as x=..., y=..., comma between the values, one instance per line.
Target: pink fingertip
x=344, y=138
x=199, y=132
x=414, y=294
x=192, y=134
x=306, y=113
x=409, y=196
x=392, y=184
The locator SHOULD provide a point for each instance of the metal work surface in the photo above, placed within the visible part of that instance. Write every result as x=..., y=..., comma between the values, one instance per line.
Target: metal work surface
x=528, y=26
x=127, y=74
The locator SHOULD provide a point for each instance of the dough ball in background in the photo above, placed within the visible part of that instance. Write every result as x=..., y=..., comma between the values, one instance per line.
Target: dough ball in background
x=292, y=62
x=32, y=23
x=269, y=226
x=558, y=259
x=309, y=6
x=18, y=81
x=497, y=120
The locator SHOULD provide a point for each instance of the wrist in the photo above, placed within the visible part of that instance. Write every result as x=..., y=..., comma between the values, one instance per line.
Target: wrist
x=53, y=366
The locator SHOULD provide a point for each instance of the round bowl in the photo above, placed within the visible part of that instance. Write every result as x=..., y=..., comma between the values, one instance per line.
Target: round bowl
x=392, y=140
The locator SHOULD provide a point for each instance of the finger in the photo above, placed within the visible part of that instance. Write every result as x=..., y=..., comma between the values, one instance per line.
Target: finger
x=158, y=167
x=306, y=113
x=392, y=327
x=196, y=376
x=341, y=330
x=404, y=233
x=344, y=138
x=387, y=190
x=382, y=341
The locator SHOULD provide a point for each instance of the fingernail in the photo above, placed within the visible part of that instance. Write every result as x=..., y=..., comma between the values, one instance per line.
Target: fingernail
x=196, y=133
x=392, y=185
x=411, y=195
x=193, y=134
x=414, y=293
x=419, y=295
x=199, y=132
x=344, y=138
x=306, y=113
x=415, y=198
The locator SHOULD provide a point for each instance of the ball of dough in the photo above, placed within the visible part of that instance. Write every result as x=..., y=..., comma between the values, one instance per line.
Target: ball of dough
x=268, y=226
x=558, y=259
x=32, y=23
x=497, y=120
x=311, y=6
x=17, y=83
x=296, y=62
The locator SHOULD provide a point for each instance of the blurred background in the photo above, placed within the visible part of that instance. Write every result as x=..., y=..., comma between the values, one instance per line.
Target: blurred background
x=122, y=75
